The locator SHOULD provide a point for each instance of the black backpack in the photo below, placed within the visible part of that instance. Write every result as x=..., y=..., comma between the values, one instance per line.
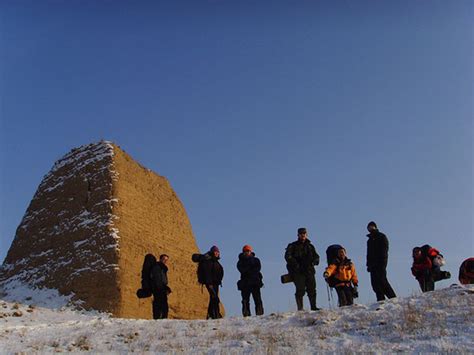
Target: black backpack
x=148, y=263
x=331, y=253
x=198, y=258
x=331, y=257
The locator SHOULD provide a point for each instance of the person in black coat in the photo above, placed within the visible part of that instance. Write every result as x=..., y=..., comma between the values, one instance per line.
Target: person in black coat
x=210, y=274
x=377, y=259
x=250, y=281
x=301, y=257
x=160, y=288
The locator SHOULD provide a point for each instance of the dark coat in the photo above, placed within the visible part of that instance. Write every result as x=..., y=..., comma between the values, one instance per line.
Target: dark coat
x=210, y=271
x=301, y=257
x=421, y=268
x=377, y=251
x=250, y=275
x=159, y=276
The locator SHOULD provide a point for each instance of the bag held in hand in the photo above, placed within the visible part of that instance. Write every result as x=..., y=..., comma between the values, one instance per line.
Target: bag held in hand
x=286, y=278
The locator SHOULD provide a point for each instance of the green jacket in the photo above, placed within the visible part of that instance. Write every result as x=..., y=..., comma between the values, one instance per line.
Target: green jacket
x=301, y=257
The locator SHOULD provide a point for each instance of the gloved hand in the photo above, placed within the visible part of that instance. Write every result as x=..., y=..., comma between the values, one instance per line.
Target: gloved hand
x=355, y=292
x=326, y=275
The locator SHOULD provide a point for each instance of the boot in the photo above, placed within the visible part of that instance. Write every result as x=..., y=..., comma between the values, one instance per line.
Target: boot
x=312, y=302
x=299, y=303
x=245, y=309
x=259, y=309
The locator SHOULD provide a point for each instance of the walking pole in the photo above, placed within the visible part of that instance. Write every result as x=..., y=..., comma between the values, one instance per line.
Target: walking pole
x=329, y=297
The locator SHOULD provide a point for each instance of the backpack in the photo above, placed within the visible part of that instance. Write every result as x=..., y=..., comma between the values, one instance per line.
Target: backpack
x=198, y=258
x=331, y=257
x=331, y=253
x=148, y=263
x=466, y=272
x=433, y=254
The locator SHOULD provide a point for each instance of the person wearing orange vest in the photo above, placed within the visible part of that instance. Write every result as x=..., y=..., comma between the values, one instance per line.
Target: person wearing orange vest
x=344, y=275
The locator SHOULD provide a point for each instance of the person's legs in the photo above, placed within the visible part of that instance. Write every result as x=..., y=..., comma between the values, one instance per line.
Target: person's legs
x=213, y=308
x=310, y=283
x=349, y=295
x=422, y=283
x=156, y=308
x=386, y=287
x=217, y=301
x=341, y=295
x=164, y=304
x=299, y=281
x=245, y=302
x=257, y=298
x=430, y=285
x=375, y=280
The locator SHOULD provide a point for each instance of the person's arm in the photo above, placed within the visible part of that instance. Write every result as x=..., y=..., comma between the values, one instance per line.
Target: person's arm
x=329, y=270
x=291, y=261
x=242, y=267
x=258, y=265
x=315, y=257
x=355, y=279
x=382, y=258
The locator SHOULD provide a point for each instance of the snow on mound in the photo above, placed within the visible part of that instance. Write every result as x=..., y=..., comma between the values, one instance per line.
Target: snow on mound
x=15, y=291
x=438, y=321
x=67, y=233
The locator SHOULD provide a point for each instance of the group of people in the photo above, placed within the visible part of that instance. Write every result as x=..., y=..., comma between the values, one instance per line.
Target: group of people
x=301, y=258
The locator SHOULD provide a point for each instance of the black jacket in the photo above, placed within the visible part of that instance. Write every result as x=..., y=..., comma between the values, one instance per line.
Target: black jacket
x=250, y=275
x=210, y=271
x=301, y=257
x=159, y=276
x=377, y=251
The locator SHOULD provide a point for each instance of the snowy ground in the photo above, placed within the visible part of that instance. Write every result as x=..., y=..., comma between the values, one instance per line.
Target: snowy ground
x=439, y=321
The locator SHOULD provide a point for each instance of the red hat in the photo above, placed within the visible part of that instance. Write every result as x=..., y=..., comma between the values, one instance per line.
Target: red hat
x=247, y=248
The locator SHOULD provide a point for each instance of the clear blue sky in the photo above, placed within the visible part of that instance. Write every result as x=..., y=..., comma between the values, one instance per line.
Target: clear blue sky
x=264, y=117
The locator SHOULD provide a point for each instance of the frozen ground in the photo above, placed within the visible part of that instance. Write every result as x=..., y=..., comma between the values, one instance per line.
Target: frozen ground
x=440, y=321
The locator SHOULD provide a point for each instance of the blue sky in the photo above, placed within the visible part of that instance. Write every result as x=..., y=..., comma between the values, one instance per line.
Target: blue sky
x=264, y=117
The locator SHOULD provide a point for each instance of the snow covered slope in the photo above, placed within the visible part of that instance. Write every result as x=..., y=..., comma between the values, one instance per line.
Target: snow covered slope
x=439, y=321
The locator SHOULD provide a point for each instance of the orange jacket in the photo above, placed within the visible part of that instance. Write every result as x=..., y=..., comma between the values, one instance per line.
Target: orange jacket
x=344, y=272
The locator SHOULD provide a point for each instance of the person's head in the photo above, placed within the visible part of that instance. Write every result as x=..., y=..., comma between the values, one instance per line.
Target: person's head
x=302, y=234
x=372, y=227
x=341, y=254
x=164, y=258
x=215, y=251
x=416, y=253
x=247, y=250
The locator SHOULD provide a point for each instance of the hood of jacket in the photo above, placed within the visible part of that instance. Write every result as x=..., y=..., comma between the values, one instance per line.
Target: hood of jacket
x=242, y=256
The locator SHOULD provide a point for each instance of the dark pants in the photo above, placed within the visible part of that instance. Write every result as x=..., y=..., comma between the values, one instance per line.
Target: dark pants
x=305, y=283
x=213, y=308
x=257, y=298
x=160, y=304
x=380, y=284
x=344, y=294
x=426, y=284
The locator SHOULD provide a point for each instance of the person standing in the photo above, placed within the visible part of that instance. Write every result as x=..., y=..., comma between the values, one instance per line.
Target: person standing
x=301, y=258
x=210, y=274
x=377, y=259
x=343, y=273
x=250, y=281
x=160, y=289
x=421, y=269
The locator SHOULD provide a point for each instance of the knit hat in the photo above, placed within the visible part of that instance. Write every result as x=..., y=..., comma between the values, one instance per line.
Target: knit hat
x=246, y=248
x=215, y=248
x=372, y=223
x=301, y=230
